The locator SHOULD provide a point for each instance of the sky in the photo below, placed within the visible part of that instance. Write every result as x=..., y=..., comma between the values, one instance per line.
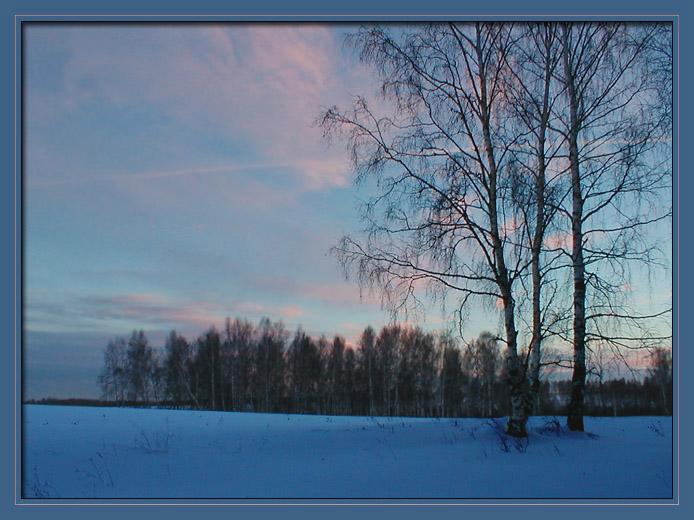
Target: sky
x=174, y=176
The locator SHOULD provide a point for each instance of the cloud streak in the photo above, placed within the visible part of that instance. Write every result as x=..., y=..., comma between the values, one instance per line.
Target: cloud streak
x=339, y=294
x=149, y=311
x=160, y=311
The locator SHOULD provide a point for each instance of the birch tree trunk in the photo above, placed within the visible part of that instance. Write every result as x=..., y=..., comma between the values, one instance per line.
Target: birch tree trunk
x=540, y=223
x=575, y=413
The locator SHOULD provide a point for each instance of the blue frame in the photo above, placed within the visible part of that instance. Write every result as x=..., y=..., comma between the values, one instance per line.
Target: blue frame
x=11, y=211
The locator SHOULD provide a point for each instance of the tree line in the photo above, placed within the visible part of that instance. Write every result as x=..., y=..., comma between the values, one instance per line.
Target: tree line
x=399, y=371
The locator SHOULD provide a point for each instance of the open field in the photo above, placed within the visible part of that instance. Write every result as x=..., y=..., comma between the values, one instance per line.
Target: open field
x=91, y=452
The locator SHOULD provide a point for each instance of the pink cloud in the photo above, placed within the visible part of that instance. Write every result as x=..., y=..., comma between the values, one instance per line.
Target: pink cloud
x=298, y=56
x=322, y=173
x=152, y=309
x=258, y=84
x=142, y=309
x=249, y=307
x=291, y=311
x=340, y=294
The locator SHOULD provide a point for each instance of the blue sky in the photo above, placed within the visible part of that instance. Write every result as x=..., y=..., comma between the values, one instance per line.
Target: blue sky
x=173, y=177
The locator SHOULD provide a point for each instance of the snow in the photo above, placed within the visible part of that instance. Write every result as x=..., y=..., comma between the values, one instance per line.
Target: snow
x=91, y=452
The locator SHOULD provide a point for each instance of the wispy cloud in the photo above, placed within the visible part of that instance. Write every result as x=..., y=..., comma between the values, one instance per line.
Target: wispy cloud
x=257, y=86
x=148, y=311
x=335, y=293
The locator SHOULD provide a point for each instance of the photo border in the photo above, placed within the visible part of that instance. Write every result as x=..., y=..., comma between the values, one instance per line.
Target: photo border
x=304, y=11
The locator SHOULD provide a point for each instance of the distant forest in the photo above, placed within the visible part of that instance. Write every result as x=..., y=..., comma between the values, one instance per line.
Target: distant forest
x=399, y=371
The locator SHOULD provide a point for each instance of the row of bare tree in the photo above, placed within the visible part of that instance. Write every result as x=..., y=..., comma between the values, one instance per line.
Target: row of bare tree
x=524, y=164
x=399, y=371
x=247, y=367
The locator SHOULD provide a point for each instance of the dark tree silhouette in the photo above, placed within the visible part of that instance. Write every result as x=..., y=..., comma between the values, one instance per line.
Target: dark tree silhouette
x=176, y=359
x=415, y=373
x=140, y=367
x=113, y=378
x=269, y=375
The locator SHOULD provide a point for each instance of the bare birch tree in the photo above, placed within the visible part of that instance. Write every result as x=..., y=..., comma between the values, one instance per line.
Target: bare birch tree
x=441, y=162
x=497, y=134
x=619, y=160
x=530, y=93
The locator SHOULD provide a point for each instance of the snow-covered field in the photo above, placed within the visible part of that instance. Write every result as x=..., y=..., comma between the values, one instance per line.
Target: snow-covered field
x=83, y=452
